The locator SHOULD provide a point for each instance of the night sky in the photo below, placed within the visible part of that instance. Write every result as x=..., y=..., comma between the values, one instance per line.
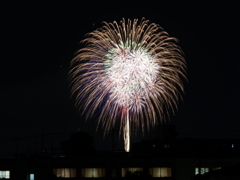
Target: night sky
x=38, y=41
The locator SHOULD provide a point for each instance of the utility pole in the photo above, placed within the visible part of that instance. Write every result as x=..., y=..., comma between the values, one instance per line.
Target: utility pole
x=16, y=154
x=113, y=139
x=42, y=137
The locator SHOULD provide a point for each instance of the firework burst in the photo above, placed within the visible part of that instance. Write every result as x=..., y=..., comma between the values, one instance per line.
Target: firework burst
x=132, y=71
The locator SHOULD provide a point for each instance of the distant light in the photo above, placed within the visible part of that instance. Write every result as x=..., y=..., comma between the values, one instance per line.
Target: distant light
x=154, y=145
x=232, y=145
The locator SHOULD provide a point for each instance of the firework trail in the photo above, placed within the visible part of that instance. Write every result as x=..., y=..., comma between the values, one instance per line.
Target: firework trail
x=132, y=71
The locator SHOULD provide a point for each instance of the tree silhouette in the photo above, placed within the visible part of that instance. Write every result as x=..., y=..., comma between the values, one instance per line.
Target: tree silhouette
x=79, y=145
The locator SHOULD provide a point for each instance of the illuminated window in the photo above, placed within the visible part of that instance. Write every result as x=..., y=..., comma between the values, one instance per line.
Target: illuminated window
x=202, y=170
x=65, y=172
x=4, y=174
x=216, y=168
x=93, y=172
x=31, y=176
x=205, y=170
x=166, y=146
x=160, y=172
x=130, y=169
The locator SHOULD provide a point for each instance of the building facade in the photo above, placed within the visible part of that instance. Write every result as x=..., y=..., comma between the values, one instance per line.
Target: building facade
x=175, y=159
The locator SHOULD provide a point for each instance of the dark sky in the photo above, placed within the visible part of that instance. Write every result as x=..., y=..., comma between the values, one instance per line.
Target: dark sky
x=38, y=41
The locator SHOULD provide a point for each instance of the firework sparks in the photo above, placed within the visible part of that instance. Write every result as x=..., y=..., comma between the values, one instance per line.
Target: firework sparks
x=132, y=71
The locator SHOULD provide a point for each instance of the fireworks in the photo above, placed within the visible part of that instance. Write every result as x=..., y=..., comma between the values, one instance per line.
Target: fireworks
x=132, y=71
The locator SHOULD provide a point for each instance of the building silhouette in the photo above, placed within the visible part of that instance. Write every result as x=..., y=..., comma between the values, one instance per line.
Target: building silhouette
x=163, y=157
